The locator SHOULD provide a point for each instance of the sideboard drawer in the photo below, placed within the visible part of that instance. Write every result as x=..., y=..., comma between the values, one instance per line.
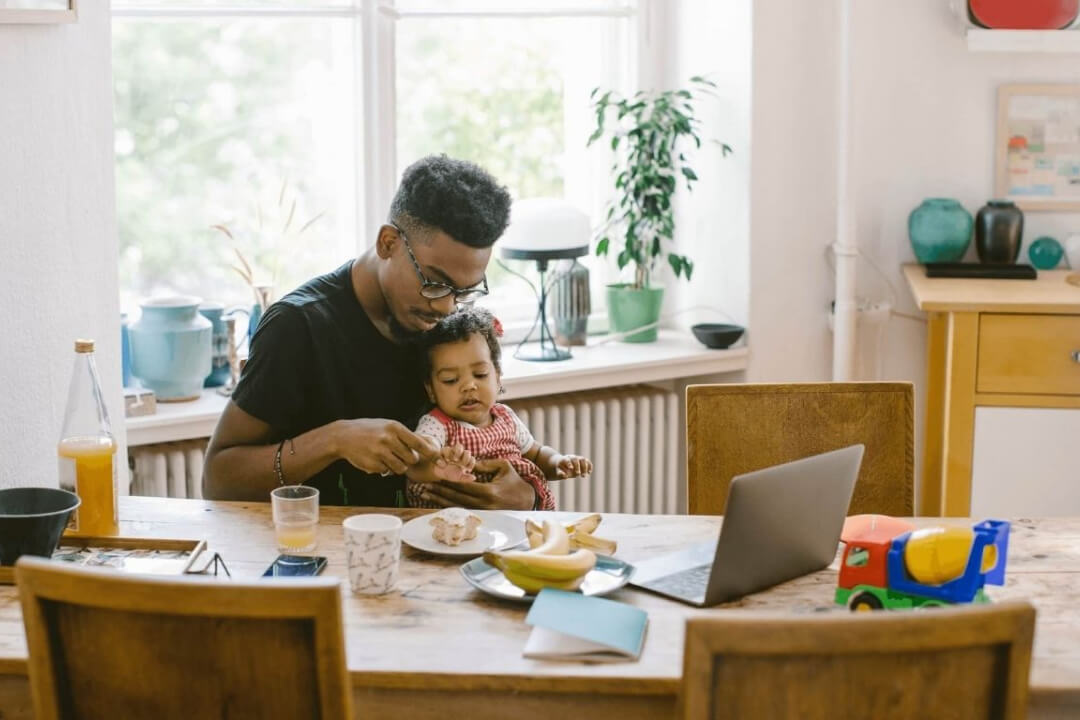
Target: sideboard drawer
x=1029, y=354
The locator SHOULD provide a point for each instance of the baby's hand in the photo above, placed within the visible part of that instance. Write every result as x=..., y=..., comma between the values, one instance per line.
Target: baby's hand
x=455, y=464
x=568, y=466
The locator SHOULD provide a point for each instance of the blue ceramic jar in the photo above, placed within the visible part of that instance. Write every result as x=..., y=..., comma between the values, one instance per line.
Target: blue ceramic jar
x=171, y=348
x=939, y=230
x=125, y=351
x=219, y=355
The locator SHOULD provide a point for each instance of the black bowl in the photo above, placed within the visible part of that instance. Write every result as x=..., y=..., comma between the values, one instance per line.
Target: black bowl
x=717, y=335
x=32, y=520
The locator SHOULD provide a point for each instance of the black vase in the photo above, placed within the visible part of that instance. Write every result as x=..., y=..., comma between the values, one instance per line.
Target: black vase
x=999, y=228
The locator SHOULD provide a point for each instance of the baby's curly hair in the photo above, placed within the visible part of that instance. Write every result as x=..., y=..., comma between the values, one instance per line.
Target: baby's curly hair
x=457, y=327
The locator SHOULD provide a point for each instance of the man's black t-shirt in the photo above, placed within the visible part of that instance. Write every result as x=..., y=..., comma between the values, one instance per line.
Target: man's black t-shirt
x=316, y=358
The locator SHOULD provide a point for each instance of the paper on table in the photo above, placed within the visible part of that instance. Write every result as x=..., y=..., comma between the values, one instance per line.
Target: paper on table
x=547, y=644
x=571, y=626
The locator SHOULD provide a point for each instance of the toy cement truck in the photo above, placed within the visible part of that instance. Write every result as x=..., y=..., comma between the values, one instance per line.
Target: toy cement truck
x=922, y=568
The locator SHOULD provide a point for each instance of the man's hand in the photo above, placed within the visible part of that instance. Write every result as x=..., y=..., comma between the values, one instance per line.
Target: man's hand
x=506, y=491
x=568, y=466
x=381, y=447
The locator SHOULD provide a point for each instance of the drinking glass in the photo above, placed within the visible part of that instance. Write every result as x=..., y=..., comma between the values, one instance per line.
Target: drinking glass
x=296, y=515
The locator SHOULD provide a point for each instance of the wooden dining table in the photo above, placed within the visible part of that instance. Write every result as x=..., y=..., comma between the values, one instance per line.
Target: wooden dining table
x=437, y=648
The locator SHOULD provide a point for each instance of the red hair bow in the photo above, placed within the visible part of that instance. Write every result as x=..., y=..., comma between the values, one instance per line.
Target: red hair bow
x=498, y=327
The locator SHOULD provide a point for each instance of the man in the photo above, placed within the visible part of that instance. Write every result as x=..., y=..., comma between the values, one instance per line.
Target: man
x=331, y=390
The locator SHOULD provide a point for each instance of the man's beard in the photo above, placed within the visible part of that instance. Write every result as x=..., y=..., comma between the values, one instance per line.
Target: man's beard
x=400, y=332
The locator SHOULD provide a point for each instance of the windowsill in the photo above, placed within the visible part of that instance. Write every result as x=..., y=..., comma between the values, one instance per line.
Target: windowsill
x=674, y=355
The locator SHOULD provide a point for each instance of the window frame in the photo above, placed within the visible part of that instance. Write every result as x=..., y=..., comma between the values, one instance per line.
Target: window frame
x=374, y=26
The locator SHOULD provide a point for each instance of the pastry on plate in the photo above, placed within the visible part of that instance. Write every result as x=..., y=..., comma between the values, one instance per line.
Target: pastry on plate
x=454, y=526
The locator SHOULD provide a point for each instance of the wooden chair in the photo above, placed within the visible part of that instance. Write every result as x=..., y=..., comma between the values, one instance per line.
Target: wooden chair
x=964, y=662
x=734, y=429
x=107, y=645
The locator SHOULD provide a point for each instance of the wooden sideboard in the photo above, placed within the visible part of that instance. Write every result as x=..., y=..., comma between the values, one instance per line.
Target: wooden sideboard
x=990, y=343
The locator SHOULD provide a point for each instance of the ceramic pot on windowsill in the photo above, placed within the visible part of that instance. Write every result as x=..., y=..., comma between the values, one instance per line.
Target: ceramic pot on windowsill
x=630, y=307
x=571, y=304
x=171, y=348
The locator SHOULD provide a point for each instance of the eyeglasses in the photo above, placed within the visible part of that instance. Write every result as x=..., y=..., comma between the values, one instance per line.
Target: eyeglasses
x=435, y=290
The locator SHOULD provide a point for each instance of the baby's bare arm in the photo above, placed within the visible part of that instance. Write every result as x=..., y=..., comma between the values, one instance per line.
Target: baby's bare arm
x=453, y=463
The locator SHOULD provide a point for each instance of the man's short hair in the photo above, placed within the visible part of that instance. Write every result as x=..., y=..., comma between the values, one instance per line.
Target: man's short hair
x=458, y=197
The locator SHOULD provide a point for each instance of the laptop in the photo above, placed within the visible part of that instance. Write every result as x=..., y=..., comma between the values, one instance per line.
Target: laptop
x=781, y=522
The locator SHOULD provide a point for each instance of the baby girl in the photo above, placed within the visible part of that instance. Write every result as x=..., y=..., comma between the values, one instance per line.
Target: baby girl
x=460, y=360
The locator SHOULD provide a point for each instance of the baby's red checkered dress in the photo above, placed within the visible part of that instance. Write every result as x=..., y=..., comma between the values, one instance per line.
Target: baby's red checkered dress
x=497, y=440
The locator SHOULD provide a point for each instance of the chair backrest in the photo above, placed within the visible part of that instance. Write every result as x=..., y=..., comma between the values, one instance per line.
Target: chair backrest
x=734, y=429
x=108, y=645
x=963, y=662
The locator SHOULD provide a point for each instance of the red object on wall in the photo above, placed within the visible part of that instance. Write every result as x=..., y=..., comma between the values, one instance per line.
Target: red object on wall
x=1024, y=14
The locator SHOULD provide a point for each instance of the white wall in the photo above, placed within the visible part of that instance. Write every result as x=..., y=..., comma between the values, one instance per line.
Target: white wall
x=924, y=113
x=713, y=221
x=792, y=189
x=58, y=267
x=925, y=125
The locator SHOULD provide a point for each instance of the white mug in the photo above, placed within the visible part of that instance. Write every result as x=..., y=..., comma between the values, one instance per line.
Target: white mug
x=373, y=547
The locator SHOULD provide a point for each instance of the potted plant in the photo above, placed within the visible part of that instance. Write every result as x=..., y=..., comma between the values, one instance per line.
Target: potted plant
x=648, y=137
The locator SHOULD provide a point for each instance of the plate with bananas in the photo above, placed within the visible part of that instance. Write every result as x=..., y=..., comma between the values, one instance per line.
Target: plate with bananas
x=561, y=555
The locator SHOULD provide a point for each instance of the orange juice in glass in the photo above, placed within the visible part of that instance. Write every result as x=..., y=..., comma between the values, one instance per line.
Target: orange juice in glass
x=86, y=449
x=296, y=516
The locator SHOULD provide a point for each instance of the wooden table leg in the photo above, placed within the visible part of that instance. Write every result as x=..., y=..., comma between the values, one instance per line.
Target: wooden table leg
x=933, y=438
x=958, y=431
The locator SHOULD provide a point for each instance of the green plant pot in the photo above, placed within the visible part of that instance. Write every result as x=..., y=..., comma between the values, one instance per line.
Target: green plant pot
x=630, y=308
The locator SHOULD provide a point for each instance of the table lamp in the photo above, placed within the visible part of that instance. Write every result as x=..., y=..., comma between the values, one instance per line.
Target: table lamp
x=544, y=229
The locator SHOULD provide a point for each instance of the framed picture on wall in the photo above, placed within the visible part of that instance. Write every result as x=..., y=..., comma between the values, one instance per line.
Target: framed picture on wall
x=1038, y=146
x=38, y=11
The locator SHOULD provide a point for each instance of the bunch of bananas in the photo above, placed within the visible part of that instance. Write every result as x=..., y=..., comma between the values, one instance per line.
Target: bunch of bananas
x=548, y=564
x=581, y=535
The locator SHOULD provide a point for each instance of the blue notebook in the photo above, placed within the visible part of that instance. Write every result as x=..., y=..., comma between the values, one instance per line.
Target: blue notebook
x=572, y=626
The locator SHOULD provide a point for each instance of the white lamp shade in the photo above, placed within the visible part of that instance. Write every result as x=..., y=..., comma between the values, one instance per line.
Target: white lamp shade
x=548, y=227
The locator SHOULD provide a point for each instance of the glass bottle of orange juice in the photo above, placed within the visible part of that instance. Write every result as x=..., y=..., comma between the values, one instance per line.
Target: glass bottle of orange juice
x=87, y=448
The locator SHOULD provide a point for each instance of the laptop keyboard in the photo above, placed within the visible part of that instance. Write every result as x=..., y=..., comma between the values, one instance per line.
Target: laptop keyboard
x=687, y=583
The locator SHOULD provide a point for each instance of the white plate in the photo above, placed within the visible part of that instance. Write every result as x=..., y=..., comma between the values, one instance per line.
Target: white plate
x=497, y=531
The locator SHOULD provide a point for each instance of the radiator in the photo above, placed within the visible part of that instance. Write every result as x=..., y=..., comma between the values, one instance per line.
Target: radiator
x=631, y=434
x=171, y=469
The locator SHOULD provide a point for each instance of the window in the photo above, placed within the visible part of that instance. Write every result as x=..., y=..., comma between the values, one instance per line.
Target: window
x=250, y=115
x=858, y=557
x=512, y=94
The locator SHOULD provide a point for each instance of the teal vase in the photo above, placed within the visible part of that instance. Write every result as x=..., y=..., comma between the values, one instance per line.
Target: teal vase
x=940, y=230
x=171, y=348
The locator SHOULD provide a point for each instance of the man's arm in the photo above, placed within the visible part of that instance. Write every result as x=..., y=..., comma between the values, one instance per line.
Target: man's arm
x=240, y=458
